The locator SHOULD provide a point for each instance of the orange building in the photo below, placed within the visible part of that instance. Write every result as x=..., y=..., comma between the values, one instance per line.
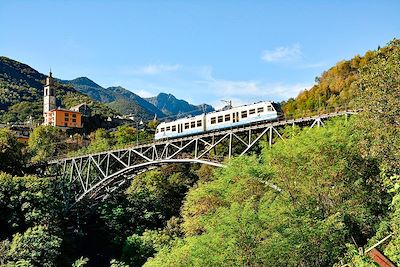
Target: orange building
x=58, y=116
x=64, y=118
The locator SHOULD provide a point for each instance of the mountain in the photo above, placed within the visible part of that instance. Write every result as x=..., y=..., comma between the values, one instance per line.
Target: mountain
x=171, y=106
x=127, y=102
x=118, y=98
x=21, y=93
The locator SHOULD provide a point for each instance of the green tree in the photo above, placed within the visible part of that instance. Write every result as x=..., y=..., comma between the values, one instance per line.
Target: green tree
x=379, y=120
x=125, y=135
x=47, y=142
x=299, y=206
x=36, y=245
x=11, y=157
x=28, y=201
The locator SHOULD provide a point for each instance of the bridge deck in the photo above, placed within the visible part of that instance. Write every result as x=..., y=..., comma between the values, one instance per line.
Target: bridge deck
x=254, y=126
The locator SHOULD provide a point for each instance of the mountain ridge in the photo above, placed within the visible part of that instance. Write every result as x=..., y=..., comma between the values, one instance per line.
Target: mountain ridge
x=171, y=106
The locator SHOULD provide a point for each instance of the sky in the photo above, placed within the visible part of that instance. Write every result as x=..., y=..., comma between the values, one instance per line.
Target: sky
x=200, y=51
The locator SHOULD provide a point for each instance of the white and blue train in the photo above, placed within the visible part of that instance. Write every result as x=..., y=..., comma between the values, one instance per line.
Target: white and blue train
x=230, y=118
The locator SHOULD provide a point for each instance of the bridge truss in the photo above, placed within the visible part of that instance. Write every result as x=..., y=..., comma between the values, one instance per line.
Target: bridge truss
x=97, y=175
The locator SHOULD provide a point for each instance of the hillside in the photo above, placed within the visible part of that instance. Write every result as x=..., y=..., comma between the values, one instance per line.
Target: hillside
x=335, y=89
x=118, y=98
x=21, y=91
x=171, y=106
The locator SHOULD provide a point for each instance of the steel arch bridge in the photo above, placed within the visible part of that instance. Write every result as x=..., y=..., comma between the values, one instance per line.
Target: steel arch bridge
x=95, y=176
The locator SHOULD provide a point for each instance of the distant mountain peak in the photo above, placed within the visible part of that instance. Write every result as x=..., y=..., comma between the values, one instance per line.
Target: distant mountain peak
x=172, y=106
x=85, y=81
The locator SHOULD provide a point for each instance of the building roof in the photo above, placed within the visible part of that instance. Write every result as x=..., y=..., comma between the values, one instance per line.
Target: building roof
x=80, y=105
x=64, y=109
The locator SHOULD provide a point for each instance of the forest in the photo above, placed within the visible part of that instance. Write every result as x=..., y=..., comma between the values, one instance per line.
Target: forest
x=339, y=191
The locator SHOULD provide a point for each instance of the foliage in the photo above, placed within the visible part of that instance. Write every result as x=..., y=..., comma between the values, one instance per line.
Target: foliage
x=115, y=263
x=380, y=118
x=26, y=202
x=11, y=156
x=80, y=262
x=36, y=245
x=242, y=216
x=46, y=142
x=138, y=248
x=125, y=135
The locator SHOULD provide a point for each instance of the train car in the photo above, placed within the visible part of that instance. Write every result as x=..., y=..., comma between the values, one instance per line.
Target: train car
x=181, y=127
x=230, y=118
x=242, y=115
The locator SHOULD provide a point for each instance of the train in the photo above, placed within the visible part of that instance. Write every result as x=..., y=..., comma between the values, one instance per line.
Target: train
x=219, y=120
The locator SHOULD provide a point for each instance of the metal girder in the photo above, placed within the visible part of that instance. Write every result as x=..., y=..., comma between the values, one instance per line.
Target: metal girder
x=96, y=175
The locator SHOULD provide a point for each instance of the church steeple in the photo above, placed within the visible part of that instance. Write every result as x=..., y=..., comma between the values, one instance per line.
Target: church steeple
x=49, y=96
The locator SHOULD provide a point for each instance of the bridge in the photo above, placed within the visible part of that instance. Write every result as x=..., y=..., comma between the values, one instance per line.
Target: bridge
x=95, y=176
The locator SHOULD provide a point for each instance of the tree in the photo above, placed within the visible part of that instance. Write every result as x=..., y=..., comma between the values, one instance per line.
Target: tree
x=47, y=142
x=28, y=201
x=125, y=135
x=11, y=157
x=300, y=205
x=36, y=245
x=380, y=118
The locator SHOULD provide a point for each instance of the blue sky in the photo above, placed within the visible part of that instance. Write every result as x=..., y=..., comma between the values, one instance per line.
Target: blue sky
x=201, y=51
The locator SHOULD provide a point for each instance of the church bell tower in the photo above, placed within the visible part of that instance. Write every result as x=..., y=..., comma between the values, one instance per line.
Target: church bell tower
x=49, y=96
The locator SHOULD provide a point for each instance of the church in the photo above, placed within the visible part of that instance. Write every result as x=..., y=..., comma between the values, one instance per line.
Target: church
x=56, y=116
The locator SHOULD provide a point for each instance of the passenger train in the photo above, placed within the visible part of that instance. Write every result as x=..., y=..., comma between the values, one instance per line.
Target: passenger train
x=217, y=120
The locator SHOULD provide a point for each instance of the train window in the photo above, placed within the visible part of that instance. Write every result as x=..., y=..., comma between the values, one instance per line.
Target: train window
x=198, y=123
x=174, y=128
x=270, y=108
x=157, y=131
x=213, y=120
x=252, y=111
x=168, y=128
x=259, y=110
x=220, y=119
x=162, y=129
x=244, y=114
x=186, y=125
x=227, y=117
x=192, y=124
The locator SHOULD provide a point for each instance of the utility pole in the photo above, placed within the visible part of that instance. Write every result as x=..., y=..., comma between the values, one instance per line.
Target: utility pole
x=137, y=131
x=228, y=102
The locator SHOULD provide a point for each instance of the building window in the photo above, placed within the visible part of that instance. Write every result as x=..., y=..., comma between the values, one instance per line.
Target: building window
x=73, y=115
x=198, y=123
x=66, y=119
x=192, y=124
x=65, y=124
x=66, y=114
x=186, y=125
x=244, y=114
x=73, y=120
x=252, y=111
x=213, y=120
x=259, y=110
x=227, y=117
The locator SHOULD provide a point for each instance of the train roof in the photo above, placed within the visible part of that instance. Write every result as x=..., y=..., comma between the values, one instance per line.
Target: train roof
x=192, y=117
